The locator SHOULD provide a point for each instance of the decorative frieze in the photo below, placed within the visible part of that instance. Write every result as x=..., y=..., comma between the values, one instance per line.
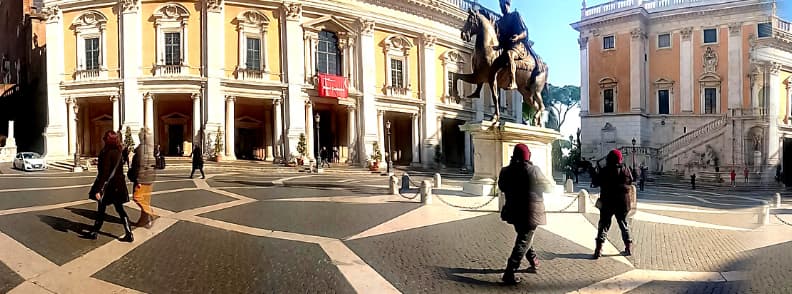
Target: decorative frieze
x=686, y=33
x=214, y=5
x=366, y=26
x=428, y=40
x=292, y=10
x=129, y=5
x=735, y=28
x=583, y=42
x=773, y=68
x=637, y=33
x=52, y=13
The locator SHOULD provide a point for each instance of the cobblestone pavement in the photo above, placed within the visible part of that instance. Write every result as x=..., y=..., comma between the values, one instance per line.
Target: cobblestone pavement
x=276, y=230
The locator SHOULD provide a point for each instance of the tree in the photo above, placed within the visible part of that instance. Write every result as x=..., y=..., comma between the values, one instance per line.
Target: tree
x=128, y=141
x=302, y=146
x=558, y=101
x=218, y=143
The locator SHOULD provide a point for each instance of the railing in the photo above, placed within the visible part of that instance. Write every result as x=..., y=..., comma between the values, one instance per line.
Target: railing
x=397, y=91
x=168, y=70
x=686, y=139
x=648, y=5
x=782, y=25
x=88, y=74
x=250, y=74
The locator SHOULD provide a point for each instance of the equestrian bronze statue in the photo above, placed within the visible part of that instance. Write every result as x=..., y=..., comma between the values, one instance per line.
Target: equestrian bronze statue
x=504, y=59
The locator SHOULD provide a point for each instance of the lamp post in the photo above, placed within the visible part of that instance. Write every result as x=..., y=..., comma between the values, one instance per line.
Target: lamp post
x=390, y=152
x=633, y=165
x=318, y=144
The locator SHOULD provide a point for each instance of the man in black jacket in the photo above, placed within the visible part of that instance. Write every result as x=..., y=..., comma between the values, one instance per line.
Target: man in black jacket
x=615, y=181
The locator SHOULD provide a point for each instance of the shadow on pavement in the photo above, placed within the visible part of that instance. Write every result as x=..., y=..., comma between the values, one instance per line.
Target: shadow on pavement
x=92, y=214
x=65, y=225
x=453, y=274
x=550, y=255
x=248, y=183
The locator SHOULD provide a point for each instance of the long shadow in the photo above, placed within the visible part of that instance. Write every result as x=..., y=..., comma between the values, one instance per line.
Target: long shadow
x=92, y=215
x=247, y=183
x=65, y=225
x=455, y=274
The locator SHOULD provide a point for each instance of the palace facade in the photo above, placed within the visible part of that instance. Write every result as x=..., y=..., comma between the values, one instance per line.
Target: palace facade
x=687, y=85
x=258, y=73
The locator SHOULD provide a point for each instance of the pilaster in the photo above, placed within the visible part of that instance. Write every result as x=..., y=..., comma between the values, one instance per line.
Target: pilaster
x=277, y=133
x=230, y=130
x=214, y=98
x=686, y=71
x=584, y=76
x=735, y=75
x=295, y=70
x=368, y=109
x=773, y=140
x=131, y=66
x=426, y=62
x=56, y=131
x=637, y=69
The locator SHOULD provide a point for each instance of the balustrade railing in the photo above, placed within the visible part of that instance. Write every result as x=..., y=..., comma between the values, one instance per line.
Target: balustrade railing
x=782, y=25
x=686, y=139
x=168, y=70
x=250, y=74
x=88, y=74
x=397, y=91
x=648, y=5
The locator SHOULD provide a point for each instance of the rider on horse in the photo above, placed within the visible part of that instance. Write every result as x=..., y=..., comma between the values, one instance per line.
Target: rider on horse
x=512, y=38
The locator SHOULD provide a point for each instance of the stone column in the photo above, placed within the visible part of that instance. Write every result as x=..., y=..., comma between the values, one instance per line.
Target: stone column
x=774, y=114
x=148, y=104
x=196, y=98
x=686, y=71
x=416, y=139
x=11, y=140
x=735, y=76
x=293, y=48
x=230, y=130
x=116, y=113
x=584, y=76
x=381, y=133
x=131, y=66
x=351, y=135
x=269, y=148
x=637, y=68
x=431, y=130
x=277, y=134
x=309, y=128
x=468, y=151
x=368, y=130
x=214, y=59
x=57, y=141
x=72, y=122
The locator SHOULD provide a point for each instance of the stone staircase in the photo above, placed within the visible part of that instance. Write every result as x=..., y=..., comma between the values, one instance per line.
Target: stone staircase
x=668, y=152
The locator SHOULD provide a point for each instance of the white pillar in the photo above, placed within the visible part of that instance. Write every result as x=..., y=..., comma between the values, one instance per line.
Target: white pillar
x=584, y=76
x=230, y=131
x=637, y=66
x=277, y=134
x=214, y=59
x=72, y=122
x=369, y=131
x=196, y=98
x=468, y=159
x=148, y=105
x=416, y=139
x=351, y=134
x=686, y=71
x=381, y=134
x=131, y=66
x=774, y=114
x=11, y=140
x=756, y=86
x=735, y=75
x=309, y=129
x=431, y=129
x=57, y=141
x=116, y=113
x=295, y=74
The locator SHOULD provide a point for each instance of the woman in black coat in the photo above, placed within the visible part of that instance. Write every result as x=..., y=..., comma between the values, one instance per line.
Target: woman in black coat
x=523, y=183
x=615, y=180
x=110, y=186
x=197, y=161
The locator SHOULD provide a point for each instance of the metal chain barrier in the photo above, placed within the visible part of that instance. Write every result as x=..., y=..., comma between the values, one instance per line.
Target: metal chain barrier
x=410, y=197
x=466, y=207
x=782, y=221
x=568, y=206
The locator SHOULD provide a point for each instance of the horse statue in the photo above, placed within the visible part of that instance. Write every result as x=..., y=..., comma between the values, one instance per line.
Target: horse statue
x=490, y=69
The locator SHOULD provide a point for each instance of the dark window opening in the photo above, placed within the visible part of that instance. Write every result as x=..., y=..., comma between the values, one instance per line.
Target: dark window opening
x=253, y=54
x=608, y=42
x=710, y=36
x=92, y=54
x=664, y=102
x=172, y=48
x=710, y=101
x=328, y=56
x=608, y=99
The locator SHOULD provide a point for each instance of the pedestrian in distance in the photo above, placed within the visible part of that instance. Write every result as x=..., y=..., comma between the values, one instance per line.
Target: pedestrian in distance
x=778, y=174
x=336, y=158
x=693, y=181
x=642, y=176
x=733, y=177
x=142, y=176
x=197, y=161
x=745, y=174
x=109, y=187
x=615, y=200
x=523, y=184
x=324, y=157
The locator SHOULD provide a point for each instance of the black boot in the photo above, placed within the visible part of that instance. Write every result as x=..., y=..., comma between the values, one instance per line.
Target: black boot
x=598, y=250
x=533, y=260
x=127, y=231
x=509, y=278
x=94, y=232
x=627, y=248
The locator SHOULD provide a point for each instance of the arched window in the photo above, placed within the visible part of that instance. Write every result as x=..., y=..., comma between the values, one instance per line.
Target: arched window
x=328, y=56
x=252, y=27
x=171, y=22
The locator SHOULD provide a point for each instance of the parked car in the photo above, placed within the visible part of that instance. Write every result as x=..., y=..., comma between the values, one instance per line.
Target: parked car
x=29, y=161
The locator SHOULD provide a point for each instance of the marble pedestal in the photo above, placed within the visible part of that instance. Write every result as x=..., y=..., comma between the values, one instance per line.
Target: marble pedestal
x=493, y=145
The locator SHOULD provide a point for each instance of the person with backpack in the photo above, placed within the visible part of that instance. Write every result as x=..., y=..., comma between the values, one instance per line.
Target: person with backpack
x=615, y=180
x=523, y=184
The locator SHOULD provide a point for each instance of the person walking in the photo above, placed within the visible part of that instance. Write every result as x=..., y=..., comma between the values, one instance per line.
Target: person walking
x=733, y=177
x=109, y=187
x=142, y=176
x=693, y=181
x=642, y=177
x=615, y=200
x=745, y=174
x=197, y=161
x=324, y=157
x=523, y=184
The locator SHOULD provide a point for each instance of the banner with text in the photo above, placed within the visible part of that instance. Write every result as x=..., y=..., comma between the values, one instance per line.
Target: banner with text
x=332, y=86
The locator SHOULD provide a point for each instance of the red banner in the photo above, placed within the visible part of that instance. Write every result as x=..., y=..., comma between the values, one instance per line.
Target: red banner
x=332, y=86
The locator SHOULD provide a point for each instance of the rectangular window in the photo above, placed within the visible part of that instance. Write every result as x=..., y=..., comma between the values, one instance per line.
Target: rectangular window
x=450, y=83
x=253, y=54
x=764, y=30
x=710, y=101
x=664, y=41
x=328, y=56
x=397, y=73
x=710, y=36
x=92, y=54
x=608, y=42
x=172, y=48
x=608, y=98
x=662, y=96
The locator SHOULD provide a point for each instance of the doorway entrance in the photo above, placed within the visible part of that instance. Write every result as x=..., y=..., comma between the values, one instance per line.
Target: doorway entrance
x=786, y=166
x=453, y=143
x=175, y=139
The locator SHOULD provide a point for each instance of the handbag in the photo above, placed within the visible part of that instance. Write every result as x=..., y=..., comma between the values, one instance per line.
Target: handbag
x=112, y=174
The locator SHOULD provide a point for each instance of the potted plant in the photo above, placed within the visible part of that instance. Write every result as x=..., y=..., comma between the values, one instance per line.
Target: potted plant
x=291, y=160
x=302, y=149
x=376, y=156
x=129, y=143
x=218, y=145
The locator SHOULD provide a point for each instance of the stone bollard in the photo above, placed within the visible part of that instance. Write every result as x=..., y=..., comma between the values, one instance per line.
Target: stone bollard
x=394, y=185
x=583, y=196
x=426, y=192
x=569, y=186
x=437, y=180
x=501, y=200
x=405, y=183
x=777, y=200
x=764, y=215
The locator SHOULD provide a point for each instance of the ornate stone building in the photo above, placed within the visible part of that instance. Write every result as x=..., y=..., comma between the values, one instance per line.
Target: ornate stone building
x=257, y=71
x=687, y=85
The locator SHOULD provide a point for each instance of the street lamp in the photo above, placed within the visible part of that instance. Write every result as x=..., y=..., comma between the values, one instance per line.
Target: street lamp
x=633, y=142
x=318, y=144
x=390, y=152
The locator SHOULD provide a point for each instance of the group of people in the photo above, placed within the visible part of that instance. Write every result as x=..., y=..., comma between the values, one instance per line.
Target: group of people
x=326, y=156
x=523, y=184
x=110, y=187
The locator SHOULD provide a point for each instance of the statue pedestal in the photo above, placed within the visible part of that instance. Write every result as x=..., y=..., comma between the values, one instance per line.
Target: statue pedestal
x=757, y=160
x=494, y=144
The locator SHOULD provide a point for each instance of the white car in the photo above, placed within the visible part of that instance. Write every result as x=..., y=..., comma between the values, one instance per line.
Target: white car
x=29, y=161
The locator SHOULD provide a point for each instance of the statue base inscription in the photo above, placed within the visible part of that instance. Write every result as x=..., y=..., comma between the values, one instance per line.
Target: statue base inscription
x=493, y=144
